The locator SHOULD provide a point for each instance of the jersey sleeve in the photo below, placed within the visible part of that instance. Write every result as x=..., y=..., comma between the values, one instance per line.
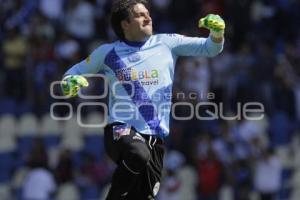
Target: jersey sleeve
x=92, y=64
x=191, y=46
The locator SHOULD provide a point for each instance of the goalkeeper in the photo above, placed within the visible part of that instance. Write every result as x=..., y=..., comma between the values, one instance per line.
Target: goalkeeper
x=142, y=63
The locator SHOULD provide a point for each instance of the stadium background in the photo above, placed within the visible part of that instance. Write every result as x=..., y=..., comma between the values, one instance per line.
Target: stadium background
x=206, y=160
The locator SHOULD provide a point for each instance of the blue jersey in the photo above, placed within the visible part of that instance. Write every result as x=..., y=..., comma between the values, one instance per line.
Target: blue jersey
x=140, y=77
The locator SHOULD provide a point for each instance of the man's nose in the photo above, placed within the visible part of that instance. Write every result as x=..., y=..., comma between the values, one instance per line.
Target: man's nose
x=148, y=18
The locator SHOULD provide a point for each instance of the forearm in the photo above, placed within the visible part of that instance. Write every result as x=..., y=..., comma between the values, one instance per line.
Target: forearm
x=217, y=39
x=214, y=47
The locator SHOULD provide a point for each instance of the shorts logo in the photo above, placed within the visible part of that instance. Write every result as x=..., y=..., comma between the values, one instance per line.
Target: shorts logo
x=156, y=188
x=120, y=130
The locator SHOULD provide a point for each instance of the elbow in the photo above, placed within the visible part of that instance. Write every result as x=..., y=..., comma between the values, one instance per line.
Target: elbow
x=213, y=48
x=215, y=52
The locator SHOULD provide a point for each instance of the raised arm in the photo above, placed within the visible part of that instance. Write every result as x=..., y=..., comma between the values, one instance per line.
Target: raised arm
x=198, y=46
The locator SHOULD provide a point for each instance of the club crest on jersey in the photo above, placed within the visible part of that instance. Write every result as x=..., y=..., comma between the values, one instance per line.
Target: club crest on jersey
x=134, y=57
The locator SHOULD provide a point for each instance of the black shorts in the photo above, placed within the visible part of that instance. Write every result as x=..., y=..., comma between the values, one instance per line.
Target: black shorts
x=149, y=179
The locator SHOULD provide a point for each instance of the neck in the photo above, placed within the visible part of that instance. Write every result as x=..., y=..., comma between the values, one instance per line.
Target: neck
x=135, y=43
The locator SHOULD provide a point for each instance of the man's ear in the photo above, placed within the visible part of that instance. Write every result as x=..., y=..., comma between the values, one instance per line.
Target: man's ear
x=124, y=25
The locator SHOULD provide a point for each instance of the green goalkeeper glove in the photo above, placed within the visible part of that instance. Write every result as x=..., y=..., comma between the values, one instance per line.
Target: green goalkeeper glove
x=71, y=84
x=214, y=23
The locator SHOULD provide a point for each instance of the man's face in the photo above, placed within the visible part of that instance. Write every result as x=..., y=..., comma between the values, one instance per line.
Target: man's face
x=139, y=25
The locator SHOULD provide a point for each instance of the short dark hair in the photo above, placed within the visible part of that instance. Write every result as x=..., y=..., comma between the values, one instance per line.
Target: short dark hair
x=121, y=11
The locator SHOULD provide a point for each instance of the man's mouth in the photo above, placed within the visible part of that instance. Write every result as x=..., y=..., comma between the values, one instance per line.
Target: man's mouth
x=148, y=24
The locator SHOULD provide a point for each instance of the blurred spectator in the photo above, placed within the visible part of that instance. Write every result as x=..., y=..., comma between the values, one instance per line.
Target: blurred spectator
x=52, y=9
x=267, y=175
x=283, y=93
x=64, y=169
x=67, y=49
x=222, y=79
x=171, y=185
x=197, y=70
x=64, y=174
x=223, y=145
x=19, y=14
x=95, y=173
x=187, y=175
x=209, y=175
x=39, y=183
x=15, y=55
x=42, y=67
x=263, y=69
x=79, y=19
x=238, y=13
x=242, y=179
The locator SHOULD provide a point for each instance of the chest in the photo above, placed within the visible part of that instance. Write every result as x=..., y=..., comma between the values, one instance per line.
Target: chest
x=154, y=64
